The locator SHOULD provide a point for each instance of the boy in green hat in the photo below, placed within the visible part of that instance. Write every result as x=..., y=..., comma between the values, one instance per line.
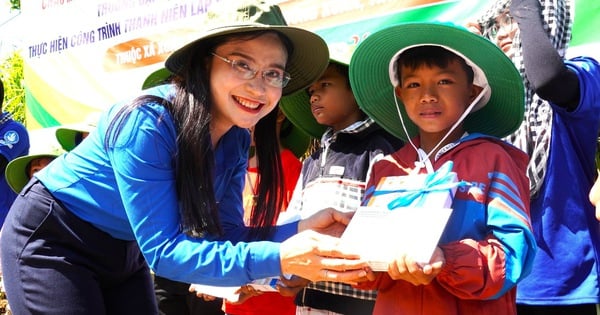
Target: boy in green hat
x=20, y=170
x=335, y=175
x=451, y=94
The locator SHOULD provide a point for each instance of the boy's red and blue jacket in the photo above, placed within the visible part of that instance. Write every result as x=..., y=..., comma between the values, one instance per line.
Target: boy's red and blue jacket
x=488, y=242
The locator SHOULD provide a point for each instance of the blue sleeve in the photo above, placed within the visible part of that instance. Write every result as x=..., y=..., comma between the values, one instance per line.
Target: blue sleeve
x=588, y=72
x=574, y=127
x=143, y=167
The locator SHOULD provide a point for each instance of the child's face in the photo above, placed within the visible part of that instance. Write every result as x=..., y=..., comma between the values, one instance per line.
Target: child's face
x=37, y=164
x=239, y=101
x=332, y=102
x=435, y=97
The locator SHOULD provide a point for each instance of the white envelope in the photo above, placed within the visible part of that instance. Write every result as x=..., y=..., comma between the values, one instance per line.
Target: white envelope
x=380, y=235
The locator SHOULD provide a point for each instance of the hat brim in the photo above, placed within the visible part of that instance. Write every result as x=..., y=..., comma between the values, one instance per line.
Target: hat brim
x=296, y=108
x=370, y=81
x=15, y=170
x=157, y=77
x=307, y=62
x=67, y=136
x=296, y=141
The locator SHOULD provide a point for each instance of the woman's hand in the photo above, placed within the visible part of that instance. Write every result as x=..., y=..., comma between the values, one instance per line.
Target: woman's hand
x=317, y=257
x=474, y=27
x=327, y=221
x=405, y=268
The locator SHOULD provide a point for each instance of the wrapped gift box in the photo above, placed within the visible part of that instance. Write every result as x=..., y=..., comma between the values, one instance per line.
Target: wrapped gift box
x=434, y=190
x=405, y=215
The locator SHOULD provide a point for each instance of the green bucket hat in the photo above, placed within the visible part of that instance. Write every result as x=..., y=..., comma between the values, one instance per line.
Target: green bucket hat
x=372, y=76
x=16, y=171
x=296, y=108
x=306, y=63
x=294, y=139
x=70, y=135
x=157, y=77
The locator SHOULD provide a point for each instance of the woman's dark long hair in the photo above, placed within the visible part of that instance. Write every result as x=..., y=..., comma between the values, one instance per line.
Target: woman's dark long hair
x=194, y=162
x=270, y=195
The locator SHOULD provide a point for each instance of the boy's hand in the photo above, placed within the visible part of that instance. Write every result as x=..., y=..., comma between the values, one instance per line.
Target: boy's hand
x=291, y=287
x=327, y=221
x=245, y=293
x=405, y=268
x=195, y=289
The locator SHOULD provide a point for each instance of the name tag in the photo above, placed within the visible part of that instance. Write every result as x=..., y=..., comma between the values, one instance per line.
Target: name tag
x=336, y=170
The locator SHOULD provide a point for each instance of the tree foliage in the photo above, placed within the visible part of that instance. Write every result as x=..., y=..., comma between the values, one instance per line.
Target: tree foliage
x=15, y=4
x=11, y=74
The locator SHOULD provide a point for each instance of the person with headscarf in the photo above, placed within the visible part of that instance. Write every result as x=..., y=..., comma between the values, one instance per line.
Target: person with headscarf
x=559, y=133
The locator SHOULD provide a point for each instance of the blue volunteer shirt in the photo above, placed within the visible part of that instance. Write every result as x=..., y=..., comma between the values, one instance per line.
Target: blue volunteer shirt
x=14, y=142
x=566, y=267
x=128, y=191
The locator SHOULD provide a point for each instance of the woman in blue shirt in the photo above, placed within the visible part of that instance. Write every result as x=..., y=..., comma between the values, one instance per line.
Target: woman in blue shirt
x=160, y=179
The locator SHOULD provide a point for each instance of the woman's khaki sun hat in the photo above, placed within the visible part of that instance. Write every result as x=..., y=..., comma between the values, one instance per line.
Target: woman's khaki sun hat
x=372, y=74
x=306, y=63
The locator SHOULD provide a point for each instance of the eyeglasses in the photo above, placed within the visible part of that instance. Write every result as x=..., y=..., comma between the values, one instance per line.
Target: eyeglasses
x=273, y=77
x=503, y=21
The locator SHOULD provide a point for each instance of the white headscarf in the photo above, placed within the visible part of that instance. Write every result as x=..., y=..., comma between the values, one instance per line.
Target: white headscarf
x=533, y=136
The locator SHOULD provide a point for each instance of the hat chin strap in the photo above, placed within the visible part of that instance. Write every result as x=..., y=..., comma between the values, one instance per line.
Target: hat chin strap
x=424, y=160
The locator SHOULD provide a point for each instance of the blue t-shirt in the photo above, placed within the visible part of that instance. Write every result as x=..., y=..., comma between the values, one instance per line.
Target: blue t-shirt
x=14, y=142
x=566, y=269
x=128, y=191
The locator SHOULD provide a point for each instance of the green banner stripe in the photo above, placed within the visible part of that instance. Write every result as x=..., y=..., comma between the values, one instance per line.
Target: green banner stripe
x=347, y=31
x=38, y=112
x=586, y=22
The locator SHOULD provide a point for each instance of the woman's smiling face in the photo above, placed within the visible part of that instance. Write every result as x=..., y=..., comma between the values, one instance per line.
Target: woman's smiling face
x=238, y=101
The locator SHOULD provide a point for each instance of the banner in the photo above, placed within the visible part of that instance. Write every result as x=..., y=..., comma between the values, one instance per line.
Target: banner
x=84, y=55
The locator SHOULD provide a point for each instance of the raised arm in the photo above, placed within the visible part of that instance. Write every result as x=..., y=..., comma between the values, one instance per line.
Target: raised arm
x=544, y=67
